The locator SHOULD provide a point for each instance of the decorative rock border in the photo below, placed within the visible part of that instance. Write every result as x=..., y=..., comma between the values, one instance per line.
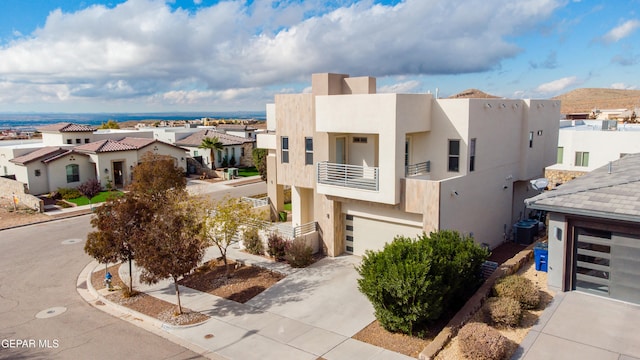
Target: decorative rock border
x=474, y=304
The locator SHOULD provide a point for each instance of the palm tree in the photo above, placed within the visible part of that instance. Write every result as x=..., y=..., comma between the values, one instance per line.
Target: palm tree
x=212, y=144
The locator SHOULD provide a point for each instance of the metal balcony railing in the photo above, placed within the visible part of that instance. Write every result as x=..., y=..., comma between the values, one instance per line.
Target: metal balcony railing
x=351, y=176
x=305, y=229
x=417, y=169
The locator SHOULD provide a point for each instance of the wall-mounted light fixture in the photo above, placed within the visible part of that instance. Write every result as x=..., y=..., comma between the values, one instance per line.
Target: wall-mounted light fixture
x=487, y=106
x=106, y=171
x=454, y=193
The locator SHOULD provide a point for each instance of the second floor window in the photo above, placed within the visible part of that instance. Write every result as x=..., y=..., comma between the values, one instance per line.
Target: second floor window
x=454, y=155
x=308, y=151
x=582, y=158
x=560, y=155
x=285, y=149
x=472, y=154
x=73, y=173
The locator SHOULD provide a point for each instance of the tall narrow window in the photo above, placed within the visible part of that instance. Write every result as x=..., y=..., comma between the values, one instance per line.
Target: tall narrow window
x=284, y=156
x=73, y=173
x=530, y=139
x=454, y=155
x=308, y=151
x=582, y=158
x=472, y=155
x=407, y=147
x=560, y=155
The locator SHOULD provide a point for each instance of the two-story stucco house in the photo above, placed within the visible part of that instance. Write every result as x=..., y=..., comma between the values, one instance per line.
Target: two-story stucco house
x=367, y=167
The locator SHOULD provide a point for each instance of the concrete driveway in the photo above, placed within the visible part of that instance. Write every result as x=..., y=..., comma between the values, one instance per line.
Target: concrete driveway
x=586, y=327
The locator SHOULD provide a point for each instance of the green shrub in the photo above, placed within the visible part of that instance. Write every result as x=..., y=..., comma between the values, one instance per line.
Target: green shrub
x=503, y=311
x=277, y=246
x=298, y=254
x=411, y=282
x=518, y=288
x=482, y=342
x=69, y=193
x=253, y=242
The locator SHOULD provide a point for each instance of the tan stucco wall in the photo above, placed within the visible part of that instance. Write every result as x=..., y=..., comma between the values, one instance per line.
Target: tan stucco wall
x=57, y=172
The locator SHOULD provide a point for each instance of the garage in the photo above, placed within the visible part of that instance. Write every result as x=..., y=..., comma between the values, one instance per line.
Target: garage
x=364, y=233
x=607, y=263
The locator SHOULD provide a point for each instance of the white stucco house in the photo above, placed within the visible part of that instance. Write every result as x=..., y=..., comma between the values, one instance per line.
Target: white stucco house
x=367, y=167
x=71, y=154
x=238, y=148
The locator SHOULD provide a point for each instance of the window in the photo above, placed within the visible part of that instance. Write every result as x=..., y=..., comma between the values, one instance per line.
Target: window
x=308, y=151
x=284, y=142
x=530, y=139
x=560, y=155
x=37, y=172
x=69, y=141
x=86, y=141
x=78, y=141
x=242, y=152
x=195, y=153
x=582, y=158
x=472, y=154
x=360, y=139
x=454, y=155
x=73, y=173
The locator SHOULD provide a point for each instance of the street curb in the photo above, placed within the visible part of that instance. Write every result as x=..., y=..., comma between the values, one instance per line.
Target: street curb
x=148, y=323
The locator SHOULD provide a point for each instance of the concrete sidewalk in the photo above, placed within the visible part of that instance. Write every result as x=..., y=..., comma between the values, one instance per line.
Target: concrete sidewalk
x=311, y=313
x=582, y=326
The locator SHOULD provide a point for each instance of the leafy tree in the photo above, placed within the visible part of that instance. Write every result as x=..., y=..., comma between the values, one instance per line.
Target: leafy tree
x=213, y=144
x=90, y=188
x=119, y=223
x=110, y=124
x=172, y=245
x=226, y=218
x=260, y=161
x=412, y=282
x=157, y=173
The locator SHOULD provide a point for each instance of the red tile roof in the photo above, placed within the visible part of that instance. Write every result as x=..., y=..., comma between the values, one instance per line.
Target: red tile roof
x=40, y=154
x=195, y=139
x=104, y=146
x=67, y=127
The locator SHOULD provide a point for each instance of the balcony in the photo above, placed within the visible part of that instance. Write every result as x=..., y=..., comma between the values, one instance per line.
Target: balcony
x=417, y=169
x=350, y=176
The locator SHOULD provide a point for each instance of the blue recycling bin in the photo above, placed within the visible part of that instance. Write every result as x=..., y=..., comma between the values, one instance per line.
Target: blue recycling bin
x=540, y=255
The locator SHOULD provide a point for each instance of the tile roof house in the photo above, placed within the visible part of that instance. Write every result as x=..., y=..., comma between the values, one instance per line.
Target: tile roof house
x=594, y=231
x=234, y=147
x=46, y=168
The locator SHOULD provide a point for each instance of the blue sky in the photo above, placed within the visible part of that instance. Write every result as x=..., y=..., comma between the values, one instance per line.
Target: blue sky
x=206, y=55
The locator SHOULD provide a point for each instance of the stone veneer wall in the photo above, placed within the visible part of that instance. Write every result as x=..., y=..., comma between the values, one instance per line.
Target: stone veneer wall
x=561, y=176
x=10, y=188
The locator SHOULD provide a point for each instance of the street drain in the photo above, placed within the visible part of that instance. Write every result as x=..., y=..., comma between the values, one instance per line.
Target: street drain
x=51, y=312
x=71, y=241
x=208, y=336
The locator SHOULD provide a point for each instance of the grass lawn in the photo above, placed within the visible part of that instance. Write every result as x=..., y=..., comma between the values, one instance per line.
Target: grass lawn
x=101, y=197
x=287, y=206
x=250, y=171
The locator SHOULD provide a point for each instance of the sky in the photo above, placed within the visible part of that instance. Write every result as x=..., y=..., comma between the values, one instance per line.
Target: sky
x=206, y=55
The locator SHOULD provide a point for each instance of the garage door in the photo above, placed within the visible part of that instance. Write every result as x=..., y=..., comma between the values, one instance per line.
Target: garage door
x=363, y=233
x=608, y=264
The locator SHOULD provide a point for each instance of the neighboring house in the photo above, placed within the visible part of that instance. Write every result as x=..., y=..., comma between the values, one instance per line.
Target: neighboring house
x=367, y=167
x=585, y=145
x=234, y=147
x=594, y=231
x=108, y=156
x=245, y=131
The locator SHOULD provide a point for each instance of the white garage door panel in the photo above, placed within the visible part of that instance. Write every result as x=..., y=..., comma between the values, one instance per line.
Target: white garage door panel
x=370, y=234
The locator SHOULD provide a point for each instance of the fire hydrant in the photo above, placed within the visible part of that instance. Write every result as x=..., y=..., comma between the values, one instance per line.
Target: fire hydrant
x=107, y=281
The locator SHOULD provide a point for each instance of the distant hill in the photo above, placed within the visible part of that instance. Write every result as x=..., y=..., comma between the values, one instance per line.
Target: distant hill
x=587, y=99
x=472, y=94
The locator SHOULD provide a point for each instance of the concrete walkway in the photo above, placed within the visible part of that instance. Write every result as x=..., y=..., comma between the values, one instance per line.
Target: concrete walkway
x=311, y=313
x=586, y=327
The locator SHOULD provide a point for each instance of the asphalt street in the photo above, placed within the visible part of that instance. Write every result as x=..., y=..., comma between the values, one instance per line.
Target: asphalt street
x=42, y=316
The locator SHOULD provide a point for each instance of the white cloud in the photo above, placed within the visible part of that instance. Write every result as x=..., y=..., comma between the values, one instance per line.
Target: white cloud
x=403, y=87
x=622, y=86
x=142, y=49
x=620, y=32
x=558, y=85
